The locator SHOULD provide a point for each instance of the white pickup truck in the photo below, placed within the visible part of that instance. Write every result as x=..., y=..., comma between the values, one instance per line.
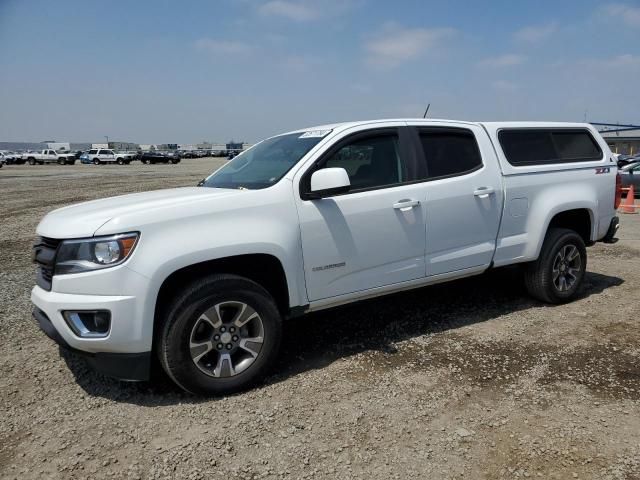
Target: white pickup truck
x=51, y=156
x=99, y=156
x=200, y=278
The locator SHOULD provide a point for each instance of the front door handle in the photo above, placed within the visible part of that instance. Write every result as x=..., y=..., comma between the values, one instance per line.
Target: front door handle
x=406, y=205
x=483, y=192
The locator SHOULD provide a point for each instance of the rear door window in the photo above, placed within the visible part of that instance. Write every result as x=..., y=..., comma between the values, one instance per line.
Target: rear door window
x=548, y=146
x=449, y=151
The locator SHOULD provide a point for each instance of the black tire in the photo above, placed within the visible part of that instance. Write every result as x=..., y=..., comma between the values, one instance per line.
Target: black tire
x=120, y=161
x=32, y=161
x=174, y=335
x=61, y=161
x=96, y=161
x=175, y=161
x=539, y=275
x=146, y=162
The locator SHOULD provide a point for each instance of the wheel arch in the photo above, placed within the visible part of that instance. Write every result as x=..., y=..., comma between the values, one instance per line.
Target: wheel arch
x=264, y=269
x=579, y=218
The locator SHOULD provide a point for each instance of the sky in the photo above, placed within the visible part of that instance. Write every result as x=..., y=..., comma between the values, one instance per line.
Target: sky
x=169, y=71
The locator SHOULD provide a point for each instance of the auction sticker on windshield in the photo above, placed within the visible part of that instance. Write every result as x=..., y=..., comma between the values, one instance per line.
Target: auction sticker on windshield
x=315, y=134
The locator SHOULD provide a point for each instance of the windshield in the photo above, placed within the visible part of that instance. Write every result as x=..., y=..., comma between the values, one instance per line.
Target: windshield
x=264, y=164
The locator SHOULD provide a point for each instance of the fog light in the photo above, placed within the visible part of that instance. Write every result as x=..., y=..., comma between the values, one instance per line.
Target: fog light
x=88, y=323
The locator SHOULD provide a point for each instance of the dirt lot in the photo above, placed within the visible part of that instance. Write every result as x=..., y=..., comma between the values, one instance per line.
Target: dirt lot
x=463, y=380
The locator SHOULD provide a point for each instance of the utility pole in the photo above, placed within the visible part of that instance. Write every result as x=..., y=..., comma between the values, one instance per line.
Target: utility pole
x=107, y=137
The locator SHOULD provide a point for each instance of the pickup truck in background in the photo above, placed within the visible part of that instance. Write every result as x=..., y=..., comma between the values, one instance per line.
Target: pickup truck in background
x=200, y=278
x=51, y=156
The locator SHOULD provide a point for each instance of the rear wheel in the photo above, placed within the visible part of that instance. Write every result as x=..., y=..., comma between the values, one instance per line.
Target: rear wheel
x=558, y=273
x=221, y=335
x=32, y=161
x=120, y=161
x=96, y=161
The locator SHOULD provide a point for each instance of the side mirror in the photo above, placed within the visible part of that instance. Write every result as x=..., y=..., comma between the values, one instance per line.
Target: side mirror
x=329, y=181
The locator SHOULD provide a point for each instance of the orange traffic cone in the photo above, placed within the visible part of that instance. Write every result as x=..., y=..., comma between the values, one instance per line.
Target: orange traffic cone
x=628, y=206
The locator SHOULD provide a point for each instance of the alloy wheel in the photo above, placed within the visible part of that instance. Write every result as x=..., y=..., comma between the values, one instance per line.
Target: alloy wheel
x=566, y=267
x=226, y=339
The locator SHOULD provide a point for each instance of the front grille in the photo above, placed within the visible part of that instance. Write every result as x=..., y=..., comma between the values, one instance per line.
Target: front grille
x=44, y=256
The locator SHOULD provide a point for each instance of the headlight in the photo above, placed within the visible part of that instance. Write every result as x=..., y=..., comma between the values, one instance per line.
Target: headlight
x=75, y=256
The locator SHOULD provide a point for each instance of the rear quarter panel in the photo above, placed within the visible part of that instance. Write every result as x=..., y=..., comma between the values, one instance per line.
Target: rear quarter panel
x=535, y=194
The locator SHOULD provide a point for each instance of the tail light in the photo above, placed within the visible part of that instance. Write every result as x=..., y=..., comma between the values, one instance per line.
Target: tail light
x=618, y=198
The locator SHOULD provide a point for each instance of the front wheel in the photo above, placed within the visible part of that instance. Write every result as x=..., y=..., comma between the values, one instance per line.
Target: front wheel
x=120, y=161
x=558, y=273
x=96, y=161
x=32, y=161
x=220, y=336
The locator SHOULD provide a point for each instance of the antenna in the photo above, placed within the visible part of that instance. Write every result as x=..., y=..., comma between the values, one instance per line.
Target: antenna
x=426, y=111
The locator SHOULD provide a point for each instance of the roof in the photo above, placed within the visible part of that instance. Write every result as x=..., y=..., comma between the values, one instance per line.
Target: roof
x=426, y=121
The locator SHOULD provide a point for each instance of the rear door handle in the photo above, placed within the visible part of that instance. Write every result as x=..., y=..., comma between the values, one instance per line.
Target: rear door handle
x=406, y=205
x=484, y=192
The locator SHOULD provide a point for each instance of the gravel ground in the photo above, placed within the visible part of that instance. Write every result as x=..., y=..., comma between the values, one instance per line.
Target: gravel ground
x=470, y=379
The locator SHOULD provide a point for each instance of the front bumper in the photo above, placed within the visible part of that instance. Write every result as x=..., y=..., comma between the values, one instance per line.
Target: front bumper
x=123, y=366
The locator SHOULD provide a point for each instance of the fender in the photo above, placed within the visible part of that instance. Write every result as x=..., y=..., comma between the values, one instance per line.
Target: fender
x=546, y=207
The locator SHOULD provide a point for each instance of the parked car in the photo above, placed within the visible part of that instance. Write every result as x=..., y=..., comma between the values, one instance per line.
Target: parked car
x=7, y=156
x=51, y=156
x=102, y=155
x=631, y=176
x=201, y=277
x=157, y=157
x=12, y=158
x=3, y=159
x=623, y=160
x=84, y=158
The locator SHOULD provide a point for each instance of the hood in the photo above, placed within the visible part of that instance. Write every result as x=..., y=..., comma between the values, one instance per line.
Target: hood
x=84, y=219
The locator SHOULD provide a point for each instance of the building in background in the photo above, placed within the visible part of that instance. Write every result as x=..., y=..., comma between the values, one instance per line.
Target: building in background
x=59, y=146
x=235, y=146
x=625, y=141
x=22, y=146
x=167, y=146
x=123, y=146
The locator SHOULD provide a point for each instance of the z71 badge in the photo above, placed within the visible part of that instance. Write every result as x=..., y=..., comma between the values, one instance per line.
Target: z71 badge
x=600, y=170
